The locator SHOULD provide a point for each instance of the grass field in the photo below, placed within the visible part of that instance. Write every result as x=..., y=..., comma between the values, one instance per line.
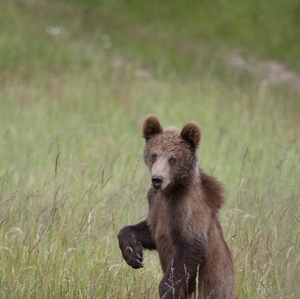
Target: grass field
x=77, y=80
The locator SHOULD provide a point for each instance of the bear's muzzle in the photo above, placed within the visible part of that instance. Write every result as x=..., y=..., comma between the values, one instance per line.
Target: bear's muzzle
x=157, y=181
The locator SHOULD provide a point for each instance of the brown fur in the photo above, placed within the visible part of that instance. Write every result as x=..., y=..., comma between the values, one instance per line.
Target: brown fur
x=183, y=220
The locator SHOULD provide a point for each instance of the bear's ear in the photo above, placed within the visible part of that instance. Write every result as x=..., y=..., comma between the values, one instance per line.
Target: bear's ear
x=191, y=132
x=151, y=126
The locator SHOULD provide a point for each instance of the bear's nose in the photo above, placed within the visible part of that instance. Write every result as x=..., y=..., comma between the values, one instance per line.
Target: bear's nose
x=157, y=181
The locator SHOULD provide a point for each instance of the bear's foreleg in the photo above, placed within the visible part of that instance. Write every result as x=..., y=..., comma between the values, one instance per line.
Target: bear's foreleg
x=180, y=278
x=132, y=240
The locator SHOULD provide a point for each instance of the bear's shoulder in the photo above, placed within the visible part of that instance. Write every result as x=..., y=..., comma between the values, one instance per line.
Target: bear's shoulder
x=213, y=191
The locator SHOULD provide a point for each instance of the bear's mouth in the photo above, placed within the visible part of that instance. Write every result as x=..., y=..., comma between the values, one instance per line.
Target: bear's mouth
x=157, y=181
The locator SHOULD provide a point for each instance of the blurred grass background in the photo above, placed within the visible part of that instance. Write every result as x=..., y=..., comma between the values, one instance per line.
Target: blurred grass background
x=77, y=79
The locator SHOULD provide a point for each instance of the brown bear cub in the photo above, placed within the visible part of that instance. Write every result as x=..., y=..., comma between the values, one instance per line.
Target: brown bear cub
x=183, y=220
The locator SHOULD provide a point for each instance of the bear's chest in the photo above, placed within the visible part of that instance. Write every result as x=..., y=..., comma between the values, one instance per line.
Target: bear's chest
x=160, y=223
x=159, y=218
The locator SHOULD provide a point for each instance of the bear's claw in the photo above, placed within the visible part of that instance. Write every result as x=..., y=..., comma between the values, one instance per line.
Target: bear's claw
x=137, y=261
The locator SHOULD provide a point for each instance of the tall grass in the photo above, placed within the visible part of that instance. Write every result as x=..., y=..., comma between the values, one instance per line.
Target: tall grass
x=72, y=174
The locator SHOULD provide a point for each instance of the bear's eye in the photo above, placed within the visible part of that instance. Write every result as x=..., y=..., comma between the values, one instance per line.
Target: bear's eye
x=153, y=158
x=172, y=161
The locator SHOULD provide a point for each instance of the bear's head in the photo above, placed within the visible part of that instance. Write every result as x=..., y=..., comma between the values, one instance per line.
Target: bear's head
x=170, y=154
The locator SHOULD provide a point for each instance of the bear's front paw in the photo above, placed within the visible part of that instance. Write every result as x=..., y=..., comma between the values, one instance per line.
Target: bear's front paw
x=133, y=255
x=132, y=250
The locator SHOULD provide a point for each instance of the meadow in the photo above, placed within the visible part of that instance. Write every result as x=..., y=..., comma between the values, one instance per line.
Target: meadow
x=77, y=80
